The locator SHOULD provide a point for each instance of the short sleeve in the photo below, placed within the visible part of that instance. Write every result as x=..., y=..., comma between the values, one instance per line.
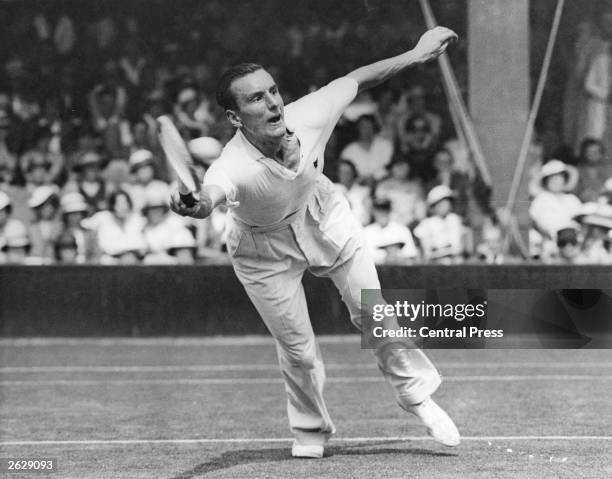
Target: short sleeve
x=216, y=176
x=323, y=108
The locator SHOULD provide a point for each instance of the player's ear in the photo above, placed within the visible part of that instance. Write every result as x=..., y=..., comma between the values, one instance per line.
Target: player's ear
x=233, y=118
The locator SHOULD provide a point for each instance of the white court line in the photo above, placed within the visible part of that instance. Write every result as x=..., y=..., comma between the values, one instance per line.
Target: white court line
x=288, y=439
x=247, y=340
x=242, y=381
x=274, y=367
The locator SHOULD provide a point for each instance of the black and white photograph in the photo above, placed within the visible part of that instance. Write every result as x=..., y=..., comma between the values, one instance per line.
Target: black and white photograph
x=276, y=239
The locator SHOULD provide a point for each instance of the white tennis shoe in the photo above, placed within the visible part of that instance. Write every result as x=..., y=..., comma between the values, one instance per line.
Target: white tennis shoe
x=307, y=451
x=439, y=425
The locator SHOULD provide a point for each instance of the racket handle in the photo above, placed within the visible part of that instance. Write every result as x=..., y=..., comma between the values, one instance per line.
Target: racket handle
x=188, y=199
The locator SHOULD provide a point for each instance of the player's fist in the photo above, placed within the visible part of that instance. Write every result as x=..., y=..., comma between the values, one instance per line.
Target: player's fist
x=179, y=207
x=434, y=42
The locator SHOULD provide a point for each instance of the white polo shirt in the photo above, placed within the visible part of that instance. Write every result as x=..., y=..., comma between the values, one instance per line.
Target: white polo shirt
x=259, y=190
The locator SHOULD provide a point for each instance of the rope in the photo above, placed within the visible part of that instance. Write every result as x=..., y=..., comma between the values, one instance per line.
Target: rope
x=511, y=232
x=456, y=100
x=522, y=158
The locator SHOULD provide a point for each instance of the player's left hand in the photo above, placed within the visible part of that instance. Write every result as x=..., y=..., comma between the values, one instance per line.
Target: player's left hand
x=434, y=43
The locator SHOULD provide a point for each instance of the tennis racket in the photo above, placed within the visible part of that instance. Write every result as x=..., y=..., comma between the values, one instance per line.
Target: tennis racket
x=180, y=160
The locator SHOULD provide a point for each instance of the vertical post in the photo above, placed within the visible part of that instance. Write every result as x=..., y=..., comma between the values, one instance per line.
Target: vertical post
x=499, y=88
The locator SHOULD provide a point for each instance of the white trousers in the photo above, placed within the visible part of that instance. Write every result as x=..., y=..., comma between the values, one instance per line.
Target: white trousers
x=270, y=263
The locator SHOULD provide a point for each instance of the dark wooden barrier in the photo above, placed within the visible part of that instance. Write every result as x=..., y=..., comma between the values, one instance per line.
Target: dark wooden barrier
x=209, y=300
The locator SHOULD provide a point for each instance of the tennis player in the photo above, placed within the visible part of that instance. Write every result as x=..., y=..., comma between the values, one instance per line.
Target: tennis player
x=287, y=218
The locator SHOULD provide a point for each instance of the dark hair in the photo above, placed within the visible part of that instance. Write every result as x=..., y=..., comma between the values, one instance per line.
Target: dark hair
x=112, y=199
x=567, y=236
x=224, y=95
x=381, y=204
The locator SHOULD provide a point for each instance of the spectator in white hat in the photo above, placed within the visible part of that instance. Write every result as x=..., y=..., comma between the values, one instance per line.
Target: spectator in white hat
x=118, y=230
x=554, y=206
x=441, y=234
x=46, y=225
x=389, y=241
x=160, y=226
x=596, y=246
x=142, y=170
x=74, y=211
x=90, y=183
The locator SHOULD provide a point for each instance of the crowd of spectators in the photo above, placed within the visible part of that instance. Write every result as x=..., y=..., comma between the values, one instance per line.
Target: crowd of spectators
x=83, y=179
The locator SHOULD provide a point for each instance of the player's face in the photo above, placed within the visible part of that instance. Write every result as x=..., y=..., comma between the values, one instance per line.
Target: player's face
x=260, y=106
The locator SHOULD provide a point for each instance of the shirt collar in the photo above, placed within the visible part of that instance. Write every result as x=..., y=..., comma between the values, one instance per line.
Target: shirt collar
x=251, y=149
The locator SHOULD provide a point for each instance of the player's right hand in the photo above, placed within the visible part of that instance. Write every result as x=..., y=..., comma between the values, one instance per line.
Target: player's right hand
x=180, y=208
x=434, y=43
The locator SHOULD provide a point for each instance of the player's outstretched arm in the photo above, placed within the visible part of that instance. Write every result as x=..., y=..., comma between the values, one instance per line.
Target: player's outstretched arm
x=431, y=45
x=211, y=196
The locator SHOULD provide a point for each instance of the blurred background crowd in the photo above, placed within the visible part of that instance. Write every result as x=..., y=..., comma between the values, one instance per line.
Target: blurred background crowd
x=83, y=179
